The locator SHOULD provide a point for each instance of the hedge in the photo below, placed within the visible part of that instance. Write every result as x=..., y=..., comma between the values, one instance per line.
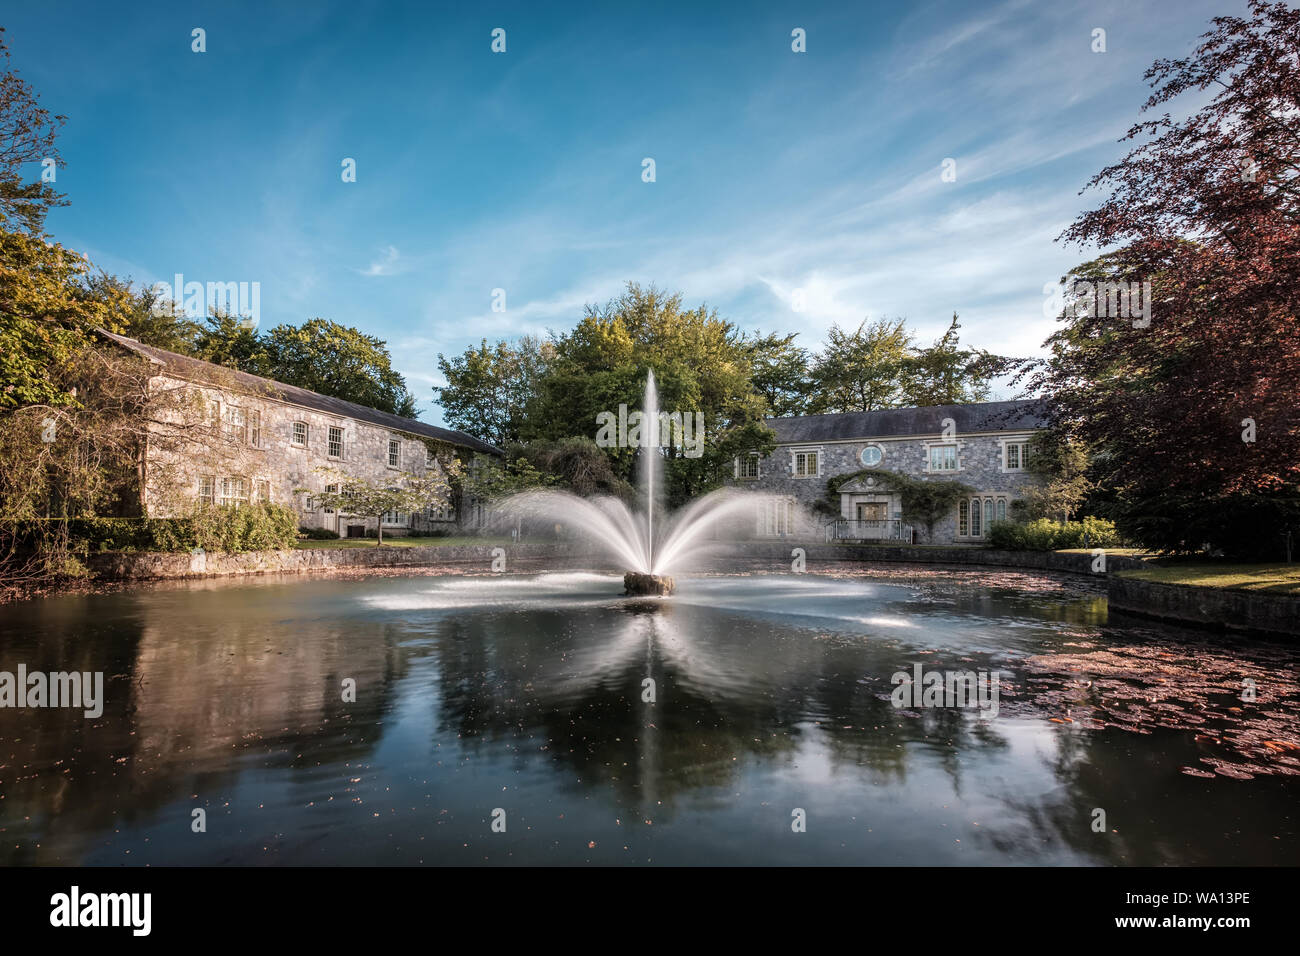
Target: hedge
x=1046, y=535
x=256, y=527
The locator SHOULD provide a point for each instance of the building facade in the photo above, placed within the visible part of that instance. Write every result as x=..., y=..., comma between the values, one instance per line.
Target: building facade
x=982, y=446
x=221, y=437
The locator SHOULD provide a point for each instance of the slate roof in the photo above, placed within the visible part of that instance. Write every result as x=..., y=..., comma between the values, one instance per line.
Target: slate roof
x=1019, y=415
x=197, y=370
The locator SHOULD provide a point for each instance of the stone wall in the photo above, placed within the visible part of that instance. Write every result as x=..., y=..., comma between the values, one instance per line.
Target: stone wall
x=175, y=470
x=1218, y=608
x=980, y=466
x=199, y=564
x=778, y=557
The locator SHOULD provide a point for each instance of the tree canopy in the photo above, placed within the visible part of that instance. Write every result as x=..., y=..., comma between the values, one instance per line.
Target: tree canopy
x=1192, y=417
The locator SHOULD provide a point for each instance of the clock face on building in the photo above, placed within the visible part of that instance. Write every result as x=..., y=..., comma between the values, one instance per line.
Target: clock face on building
x=871, y=455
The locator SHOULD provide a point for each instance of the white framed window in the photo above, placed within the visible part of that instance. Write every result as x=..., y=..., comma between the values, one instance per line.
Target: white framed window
x=299, y=436
x=207, y=490
x=394, y=453
x=262, y=491
x=963, y=518
x=942, y=458
x=234, y=492
x=747, y=467
x=330, y=489
x=255, y=428
x=335, y=446
x=805, y=463
x=1015, y=455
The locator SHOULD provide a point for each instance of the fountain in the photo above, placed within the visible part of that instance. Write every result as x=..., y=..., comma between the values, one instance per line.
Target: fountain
x=646, y=548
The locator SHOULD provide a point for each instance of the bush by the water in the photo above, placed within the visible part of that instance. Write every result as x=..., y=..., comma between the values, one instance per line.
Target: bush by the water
x=257, y=527
x=1046, y=535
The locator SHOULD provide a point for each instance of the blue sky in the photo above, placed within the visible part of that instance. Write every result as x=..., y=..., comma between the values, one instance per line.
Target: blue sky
x=775, y=171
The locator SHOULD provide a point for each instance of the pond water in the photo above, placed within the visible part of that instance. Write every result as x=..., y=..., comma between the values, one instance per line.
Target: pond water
x=747, y=720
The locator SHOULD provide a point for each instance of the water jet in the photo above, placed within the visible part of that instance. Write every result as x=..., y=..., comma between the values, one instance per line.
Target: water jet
x=648, y=545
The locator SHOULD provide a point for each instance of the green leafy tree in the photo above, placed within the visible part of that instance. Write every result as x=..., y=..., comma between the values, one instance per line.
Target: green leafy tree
x=341, y=361
x=780, y=373
x=579, y=465
x=489, y=388
x=367, y=498
x=702, y=364
x=27, y=137
x=862, y=370
x=490, y=480
x=947, y=374
x=1062, y=465
x=229, y=341
x=321, y=355
x=146, y=316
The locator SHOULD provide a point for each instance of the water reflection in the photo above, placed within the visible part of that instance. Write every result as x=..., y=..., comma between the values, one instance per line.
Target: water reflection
x=618, y=731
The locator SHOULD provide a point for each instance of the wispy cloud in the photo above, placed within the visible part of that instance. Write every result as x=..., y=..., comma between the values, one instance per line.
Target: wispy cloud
x=386, y=265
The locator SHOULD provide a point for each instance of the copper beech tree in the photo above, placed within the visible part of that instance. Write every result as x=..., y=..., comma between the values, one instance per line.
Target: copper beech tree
x=1193, y=414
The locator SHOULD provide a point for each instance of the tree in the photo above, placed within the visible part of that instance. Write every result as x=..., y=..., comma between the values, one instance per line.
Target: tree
x=229, y=341
x=862, y=370
x=579, y=465
x=492, y=480
x=1191, y=412
x=27, y=134
x=341, y=361
x=1061, y=465
x=947, y=374
x=367, y=498
x=146, y=316
x=321, y=355
x=780, y=373
x=489, y=388
x=701, y=361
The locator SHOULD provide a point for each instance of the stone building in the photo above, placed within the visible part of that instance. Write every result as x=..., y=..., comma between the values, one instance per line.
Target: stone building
x=982, y=446
x=222, y=437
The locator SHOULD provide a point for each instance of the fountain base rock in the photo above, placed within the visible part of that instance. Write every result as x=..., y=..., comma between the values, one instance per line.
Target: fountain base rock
x=660, y=585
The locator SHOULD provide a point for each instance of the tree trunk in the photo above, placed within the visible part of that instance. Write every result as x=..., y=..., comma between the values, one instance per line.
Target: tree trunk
x=379, y=532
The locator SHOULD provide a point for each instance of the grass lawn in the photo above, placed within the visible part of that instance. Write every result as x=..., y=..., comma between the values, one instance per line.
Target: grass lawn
x=308, y=543
x=1265, y=578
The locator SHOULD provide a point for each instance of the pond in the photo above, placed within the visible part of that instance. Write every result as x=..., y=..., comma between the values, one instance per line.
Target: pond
x=543, y=718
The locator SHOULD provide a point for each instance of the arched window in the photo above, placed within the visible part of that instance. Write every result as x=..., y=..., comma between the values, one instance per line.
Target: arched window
x=976, y=527
x=963, y=517
x=1002, y=509
x=988, y=513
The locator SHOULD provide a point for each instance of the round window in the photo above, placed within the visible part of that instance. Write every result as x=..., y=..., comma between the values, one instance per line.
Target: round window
x=871, y=455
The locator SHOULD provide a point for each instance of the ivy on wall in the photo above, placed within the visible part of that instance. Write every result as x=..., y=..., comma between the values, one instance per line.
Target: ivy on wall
x=923, y=500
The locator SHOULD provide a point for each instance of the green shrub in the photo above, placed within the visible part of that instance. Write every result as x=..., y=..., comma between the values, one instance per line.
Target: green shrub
x=1046, y=535
x=318, y=534
x=257, y=527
